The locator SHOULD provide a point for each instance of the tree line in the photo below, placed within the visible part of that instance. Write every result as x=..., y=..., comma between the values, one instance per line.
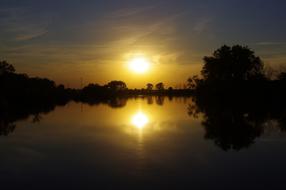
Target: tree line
x=20, y=88
x=228, y=70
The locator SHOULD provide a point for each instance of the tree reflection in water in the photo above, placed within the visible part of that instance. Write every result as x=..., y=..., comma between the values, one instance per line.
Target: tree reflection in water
x=18, y=112
x=233, y=123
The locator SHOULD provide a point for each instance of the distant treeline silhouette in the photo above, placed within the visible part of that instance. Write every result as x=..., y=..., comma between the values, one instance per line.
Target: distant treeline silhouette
x=96, y=92
x=16, y=88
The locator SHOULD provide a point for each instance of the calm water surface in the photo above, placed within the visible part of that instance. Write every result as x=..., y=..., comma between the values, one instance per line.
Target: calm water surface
x=143, y=145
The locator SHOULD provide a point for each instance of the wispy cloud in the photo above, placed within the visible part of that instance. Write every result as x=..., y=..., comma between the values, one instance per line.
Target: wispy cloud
x=29, y=32
x=18, y=25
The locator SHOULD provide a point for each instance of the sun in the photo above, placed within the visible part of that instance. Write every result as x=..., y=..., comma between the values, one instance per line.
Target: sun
x=139, y=120
x=139, y=65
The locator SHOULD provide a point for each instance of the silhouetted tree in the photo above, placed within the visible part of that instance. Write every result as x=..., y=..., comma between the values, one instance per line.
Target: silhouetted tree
x=5, y=67
x=232, y=63
x=160, y=86
x=22, y=89
x=150, y=86
x=117, y=85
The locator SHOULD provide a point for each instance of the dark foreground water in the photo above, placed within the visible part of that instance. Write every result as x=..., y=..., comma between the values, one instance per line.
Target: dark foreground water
x=147, y=144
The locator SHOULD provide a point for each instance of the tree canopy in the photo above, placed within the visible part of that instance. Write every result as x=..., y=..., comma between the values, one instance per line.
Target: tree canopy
x=117, y=85
x=5, y=67
x=232, y=63
x=160, y=86
x=150, y=86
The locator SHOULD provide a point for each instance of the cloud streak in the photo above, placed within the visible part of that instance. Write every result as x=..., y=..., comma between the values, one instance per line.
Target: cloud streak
x=18, y=25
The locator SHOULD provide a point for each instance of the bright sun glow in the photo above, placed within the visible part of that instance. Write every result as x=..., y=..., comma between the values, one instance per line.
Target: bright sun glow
x=139, y=65
x=140, y=120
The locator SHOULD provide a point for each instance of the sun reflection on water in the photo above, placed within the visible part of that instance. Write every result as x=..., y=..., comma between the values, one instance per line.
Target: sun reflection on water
x=139, y=120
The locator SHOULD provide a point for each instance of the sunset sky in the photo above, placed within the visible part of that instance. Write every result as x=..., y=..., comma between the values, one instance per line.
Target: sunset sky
x=66, y=40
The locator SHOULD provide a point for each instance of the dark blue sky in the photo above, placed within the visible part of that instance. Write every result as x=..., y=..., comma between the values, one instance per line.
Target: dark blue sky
x=61, y=38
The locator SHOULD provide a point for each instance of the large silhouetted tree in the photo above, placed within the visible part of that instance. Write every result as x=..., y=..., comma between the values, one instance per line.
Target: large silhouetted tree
x=232, y=63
